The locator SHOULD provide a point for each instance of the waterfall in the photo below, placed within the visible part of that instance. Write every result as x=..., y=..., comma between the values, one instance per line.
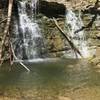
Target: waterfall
x=74, y=25
x=27, y=39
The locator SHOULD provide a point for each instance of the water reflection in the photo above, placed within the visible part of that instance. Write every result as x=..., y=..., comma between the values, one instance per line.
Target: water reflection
x=69, y=72
x=50, y=81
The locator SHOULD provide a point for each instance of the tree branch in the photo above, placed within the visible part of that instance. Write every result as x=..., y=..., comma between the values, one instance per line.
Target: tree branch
x=68, y=39
x=3, y=20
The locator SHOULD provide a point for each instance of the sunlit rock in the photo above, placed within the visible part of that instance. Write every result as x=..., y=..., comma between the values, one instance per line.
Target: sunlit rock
x=64, y=98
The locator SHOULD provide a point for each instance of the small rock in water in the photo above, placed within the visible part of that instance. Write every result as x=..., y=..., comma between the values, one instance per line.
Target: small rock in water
x=98, y=35
x=98, y=66
x=95, y=61
x=98, y=8
x=1, y=93
x=98, y=52
x=64, y=98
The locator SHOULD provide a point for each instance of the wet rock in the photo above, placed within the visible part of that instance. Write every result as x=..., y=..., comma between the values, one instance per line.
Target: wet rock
x=95, y=61
x=96, y=58
x=98, y=35
x=98, y=71
x=98, y=66
x=1, y=93
x=98, y=52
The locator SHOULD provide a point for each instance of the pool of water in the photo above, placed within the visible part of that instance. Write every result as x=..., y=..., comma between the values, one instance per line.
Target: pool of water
x=68, y=79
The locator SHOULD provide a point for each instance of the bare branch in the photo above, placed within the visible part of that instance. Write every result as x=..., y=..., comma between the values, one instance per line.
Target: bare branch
x=18, y=59
x=3, y=20
x=67, y=38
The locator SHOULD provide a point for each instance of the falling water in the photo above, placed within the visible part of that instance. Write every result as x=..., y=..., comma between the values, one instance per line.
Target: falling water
x=28, y=41
x=74, y=25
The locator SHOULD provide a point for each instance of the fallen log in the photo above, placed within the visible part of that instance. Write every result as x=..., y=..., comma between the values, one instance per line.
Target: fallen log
x=68, y=39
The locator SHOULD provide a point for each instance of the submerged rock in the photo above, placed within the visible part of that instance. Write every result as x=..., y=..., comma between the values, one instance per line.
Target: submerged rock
x=64, y=98
x=95, y=61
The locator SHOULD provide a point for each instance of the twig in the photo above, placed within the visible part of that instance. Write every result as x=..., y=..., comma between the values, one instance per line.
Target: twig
x=18, y=59
x=10, y=50
x=67, y=38
x=3, y=20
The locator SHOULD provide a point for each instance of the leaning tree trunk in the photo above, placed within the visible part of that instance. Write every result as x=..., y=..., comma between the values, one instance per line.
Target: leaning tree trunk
x=52, y=9
x=6, y=31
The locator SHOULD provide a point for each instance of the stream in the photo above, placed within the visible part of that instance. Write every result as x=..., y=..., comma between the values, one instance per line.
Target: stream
x=66, y=79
